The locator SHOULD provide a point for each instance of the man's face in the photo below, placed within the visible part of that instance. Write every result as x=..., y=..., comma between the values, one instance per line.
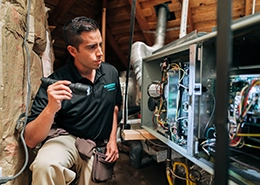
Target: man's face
x=89, y=54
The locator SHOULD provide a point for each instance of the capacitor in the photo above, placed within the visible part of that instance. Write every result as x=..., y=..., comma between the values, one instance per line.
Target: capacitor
x=154, y=90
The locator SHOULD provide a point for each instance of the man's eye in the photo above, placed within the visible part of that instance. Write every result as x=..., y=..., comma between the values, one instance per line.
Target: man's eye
x=91, y=47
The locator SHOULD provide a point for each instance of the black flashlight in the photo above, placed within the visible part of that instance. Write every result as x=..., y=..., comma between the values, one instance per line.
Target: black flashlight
x=77, y=88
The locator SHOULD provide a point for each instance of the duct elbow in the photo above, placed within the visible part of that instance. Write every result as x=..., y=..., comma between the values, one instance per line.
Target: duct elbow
x=139, y=51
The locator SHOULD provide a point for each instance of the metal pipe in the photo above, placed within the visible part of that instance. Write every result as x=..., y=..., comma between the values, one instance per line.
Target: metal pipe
x=184, y=17
x=253, y=6
x=161, y=27
x=140, y=50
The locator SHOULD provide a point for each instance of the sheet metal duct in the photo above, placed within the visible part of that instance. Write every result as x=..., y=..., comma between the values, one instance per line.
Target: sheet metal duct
x=140, y=50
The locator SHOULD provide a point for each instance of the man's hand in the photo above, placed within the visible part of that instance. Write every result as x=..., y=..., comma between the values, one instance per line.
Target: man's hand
x=112, y=151
x=56, y=93
x=37, y=130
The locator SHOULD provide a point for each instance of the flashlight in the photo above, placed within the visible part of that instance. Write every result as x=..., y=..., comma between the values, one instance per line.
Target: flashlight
x=77, y=88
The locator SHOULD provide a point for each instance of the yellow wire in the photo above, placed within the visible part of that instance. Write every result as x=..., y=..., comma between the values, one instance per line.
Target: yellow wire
x=178, y=68
x=168, y=175
x=159, y=112
x=188, y=181
x=248, y=135
x=252, y=146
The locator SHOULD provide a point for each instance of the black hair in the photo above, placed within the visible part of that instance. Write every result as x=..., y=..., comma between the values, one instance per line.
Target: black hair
x=72, y=30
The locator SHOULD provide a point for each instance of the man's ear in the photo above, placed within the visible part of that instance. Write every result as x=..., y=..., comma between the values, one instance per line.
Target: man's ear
x=72, y=50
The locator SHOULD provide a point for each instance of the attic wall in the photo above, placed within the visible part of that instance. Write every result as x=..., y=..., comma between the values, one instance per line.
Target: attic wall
x=13, y=75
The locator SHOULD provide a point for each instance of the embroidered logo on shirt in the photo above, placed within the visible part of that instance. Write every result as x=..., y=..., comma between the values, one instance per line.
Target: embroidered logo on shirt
x=110, y=87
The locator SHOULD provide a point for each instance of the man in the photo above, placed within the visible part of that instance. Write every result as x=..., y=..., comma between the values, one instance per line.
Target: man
x=91, y=116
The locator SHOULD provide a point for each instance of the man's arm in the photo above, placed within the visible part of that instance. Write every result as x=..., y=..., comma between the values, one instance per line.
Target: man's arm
x=112, y=149
x=37, y=130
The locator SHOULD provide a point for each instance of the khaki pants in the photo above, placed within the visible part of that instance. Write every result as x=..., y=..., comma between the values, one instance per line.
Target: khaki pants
x=53, y=163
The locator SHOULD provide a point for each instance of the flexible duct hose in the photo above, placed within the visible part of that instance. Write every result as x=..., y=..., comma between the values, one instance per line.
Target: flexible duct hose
x=140, y=50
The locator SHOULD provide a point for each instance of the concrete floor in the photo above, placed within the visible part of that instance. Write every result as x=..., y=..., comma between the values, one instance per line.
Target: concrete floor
x=125, y=174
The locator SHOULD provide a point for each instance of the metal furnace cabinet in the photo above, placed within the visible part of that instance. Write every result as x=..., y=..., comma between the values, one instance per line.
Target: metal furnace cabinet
x=178, y=97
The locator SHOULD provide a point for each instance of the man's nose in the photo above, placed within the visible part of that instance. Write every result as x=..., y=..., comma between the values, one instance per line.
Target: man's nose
x=99, y=51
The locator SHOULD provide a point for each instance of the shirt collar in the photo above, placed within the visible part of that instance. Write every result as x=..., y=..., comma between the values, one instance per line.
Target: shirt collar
x=74, y=72
x=76, y=75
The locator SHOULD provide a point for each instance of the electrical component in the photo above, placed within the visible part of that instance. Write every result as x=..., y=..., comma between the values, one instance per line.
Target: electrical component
x=173, y=95
x=168, y=99
x=154, y=90
x=244, y=111
x=151, y=104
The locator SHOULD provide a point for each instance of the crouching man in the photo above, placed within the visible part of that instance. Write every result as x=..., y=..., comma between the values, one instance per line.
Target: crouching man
x=91, y=116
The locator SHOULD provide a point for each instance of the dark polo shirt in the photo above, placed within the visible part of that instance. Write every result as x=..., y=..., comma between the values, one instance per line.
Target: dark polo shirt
x=84, y=116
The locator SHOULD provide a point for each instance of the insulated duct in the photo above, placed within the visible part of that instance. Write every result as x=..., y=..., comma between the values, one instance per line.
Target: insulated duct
x=141, y=50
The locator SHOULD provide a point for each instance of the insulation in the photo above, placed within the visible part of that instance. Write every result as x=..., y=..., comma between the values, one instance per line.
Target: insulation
x=13, y=75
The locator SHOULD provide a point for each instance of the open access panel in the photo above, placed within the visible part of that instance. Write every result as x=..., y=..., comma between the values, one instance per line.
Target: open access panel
x=178, y=99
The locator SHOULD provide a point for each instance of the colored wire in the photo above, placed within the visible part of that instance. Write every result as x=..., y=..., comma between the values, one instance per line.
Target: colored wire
x=252, y=146
x=248, y=134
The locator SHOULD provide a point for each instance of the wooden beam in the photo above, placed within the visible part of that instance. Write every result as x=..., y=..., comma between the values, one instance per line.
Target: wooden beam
x=247, y=7
x=104, y=9
x=116, y=48
x=190, y=20
x=59, y=11
x=142, y=22
x=138, y=134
